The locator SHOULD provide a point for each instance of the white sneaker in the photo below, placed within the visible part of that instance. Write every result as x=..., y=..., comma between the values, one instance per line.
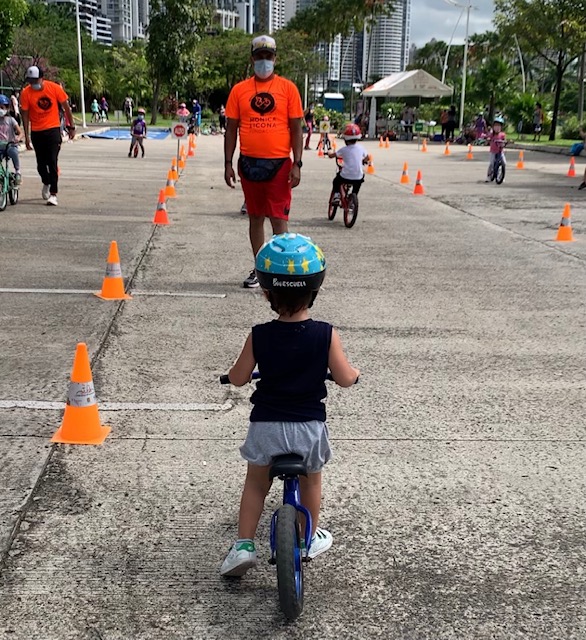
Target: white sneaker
x=52, y=200
x=46, y=192
x=240, y=559
x=320, y=543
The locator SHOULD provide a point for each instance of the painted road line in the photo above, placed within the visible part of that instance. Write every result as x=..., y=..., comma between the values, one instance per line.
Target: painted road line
x=171, y=294
x=39, y=405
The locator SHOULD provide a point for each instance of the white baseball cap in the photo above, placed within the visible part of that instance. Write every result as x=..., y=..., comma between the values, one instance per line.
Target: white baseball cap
x=33, y=73
x=264, y=43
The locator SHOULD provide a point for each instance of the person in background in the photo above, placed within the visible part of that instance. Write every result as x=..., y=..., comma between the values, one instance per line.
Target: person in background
x=95, y=109
x=39, y=106
x=537, y=122
x=222, y=118
x=104, y=107
x=196, y=110
x=138, y=131
x=128, y=105
x=309, y=117
x=10, y=135
x=183, y=113
x=15, y=106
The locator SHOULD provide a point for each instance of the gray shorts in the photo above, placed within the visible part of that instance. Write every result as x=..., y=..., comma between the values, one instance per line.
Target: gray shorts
x=266, y=440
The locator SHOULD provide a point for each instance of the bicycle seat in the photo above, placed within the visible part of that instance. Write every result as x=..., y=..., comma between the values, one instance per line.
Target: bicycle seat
x=290, y=464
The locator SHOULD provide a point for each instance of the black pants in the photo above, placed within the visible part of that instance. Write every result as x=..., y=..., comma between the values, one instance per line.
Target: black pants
x=339, y=181
x=47, y=145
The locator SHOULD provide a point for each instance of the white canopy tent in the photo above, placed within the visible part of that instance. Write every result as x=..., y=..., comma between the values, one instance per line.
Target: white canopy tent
x=401, y=85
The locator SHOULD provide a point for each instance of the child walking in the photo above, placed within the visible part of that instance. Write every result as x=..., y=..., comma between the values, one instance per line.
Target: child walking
x=293, y=354
x=138, y=130
x=354, y=157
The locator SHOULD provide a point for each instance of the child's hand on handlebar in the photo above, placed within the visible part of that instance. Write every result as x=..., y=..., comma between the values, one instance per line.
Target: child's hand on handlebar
x=331, y=153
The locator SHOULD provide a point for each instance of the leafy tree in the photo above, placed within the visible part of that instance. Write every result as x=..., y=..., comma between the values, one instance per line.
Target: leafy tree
x=12, y=13
x=553, y=29
x=326, y=18
x=175, y=28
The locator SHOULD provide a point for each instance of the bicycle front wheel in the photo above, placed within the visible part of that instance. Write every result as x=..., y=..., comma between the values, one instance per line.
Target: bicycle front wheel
x=13, y=195
x=332, y=207
x=3, y=194
x=351, y=211
x=289, y=562
x=500, y=173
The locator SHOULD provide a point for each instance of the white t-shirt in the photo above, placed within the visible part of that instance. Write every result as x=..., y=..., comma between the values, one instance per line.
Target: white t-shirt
x=7, y=130
x=352, y=155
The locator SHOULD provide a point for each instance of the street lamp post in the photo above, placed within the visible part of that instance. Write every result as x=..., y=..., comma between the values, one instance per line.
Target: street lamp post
x=80, y=61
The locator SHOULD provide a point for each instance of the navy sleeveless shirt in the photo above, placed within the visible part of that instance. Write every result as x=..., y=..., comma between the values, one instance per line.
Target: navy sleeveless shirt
x=292, y=359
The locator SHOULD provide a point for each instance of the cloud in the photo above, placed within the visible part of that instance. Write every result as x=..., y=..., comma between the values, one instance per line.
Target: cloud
x=437, y=19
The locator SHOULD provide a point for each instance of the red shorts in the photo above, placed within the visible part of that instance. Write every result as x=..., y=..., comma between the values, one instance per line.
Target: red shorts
x=271, y=198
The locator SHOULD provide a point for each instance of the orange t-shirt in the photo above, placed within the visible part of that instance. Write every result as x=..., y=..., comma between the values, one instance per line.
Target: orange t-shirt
x=43, y=105
x=264, y=110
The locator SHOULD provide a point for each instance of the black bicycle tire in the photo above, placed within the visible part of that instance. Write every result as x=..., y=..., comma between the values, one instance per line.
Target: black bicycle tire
x=3, y=198
x=500, y=173
x=332, y=208
x=287, y=540
x=350, y=217
x=13, y=195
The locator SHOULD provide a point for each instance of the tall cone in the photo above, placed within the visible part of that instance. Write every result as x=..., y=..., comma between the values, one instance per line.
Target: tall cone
x=418, y=190
x=190, y=149
x=181, y=163
x=81, y=420
x=469, y=155
x=404, y=175
x=387, y=143
x=572, y=169
x=447, y=151
x=174, y=175
x=370, y=167
x=565, y=229
x=380, y=142
x=161, y=211
x=521, y=161
x=113, y=284
x=424, y=146
x=320, y=150
x=170, y=188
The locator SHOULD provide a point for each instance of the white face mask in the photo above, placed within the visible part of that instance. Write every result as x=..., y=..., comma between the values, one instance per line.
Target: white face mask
x=3, y=112
x=37, y=86
x=264, y=68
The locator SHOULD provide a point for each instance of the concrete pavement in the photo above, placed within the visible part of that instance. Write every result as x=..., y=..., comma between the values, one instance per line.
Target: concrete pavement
x=456, y=495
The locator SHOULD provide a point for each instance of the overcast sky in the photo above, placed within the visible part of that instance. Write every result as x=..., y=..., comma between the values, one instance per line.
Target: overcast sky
x=437, y=19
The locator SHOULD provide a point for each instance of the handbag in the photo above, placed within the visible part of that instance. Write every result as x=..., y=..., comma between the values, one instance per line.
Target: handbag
x=259, y=169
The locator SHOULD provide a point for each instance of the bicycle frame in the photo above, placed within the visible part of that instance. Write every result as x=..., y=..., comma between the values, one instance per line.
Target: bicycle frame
x=292, y=496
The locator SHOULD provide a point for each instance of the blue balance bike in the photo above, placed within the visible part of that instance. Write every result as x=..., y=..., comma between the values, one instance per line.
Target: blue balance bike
x=288, y=541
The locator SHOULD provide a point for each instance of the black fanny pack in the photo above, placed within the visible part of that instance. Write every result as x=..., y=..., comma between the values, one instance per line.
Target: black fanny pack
x=260, y=169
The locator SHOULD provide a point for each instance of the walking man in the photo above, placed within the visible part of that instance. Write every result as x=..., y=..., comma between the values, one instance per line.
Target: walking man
x=266, y=111
x=39, y=107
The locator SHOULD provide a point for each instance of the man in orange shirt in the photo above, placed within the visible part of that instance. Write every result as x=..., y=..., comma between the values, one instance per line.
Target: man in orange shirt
x=266, y=110
x=39, y=107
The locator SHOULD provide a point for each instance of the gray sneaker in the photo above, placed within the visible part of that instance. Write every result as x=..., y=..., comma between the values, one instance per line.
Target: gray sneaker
x=46, y=191
x=252, y=281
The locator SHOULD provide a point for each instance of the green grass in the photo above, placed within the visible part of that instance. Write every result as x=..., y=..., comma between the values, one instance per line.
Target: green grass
x=527, y=139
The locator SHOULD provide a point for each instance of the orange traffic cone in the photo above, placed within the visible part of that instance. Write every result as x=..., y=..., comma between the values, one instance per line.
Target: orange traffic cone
x=170, y=187
x=469, y=155
x=161, y=211
x=182, y=150
x=424, y=146
x=565, y=228
x=172, y=174
x=370, y=167
x=418, y=190
x=380, y=142
x=181, y=163
x=520, y=162
x=190, y=149
x=334, y=145
x=113, y=284
x=81, y=420
x=572, y=169
x=404, y=175
x=387, y=143
x=447, y=151
x=320, y=151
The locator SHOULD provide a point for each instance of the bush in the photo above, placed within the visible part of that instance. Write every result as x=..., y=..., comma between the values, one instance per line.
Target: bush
x=571, y=128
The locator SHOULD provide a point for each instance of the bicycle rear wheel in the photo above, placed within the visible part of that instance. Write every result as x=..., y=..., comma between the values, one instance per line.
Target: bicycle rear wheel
x=13, y=195
x=332, y=207
x=289, y=562
x=351, y=211
x=500, y=173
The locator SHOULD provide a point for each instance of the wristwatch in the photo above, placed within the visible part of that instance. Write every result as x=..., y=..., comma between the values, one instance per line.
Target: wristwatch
x=299, y=163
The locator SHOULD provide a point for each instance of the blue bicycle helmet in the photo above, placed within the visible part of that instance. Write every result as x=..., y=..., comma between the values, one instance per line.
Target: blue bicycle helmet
x=4, y=99
x=290, y=261
x=499, y=119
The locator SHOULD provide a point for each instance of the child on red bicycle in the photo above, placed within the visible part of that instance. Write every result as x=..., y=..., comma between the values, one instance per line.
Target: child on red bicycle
x=354, y=157
x=138, y=130
x=293, y=354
